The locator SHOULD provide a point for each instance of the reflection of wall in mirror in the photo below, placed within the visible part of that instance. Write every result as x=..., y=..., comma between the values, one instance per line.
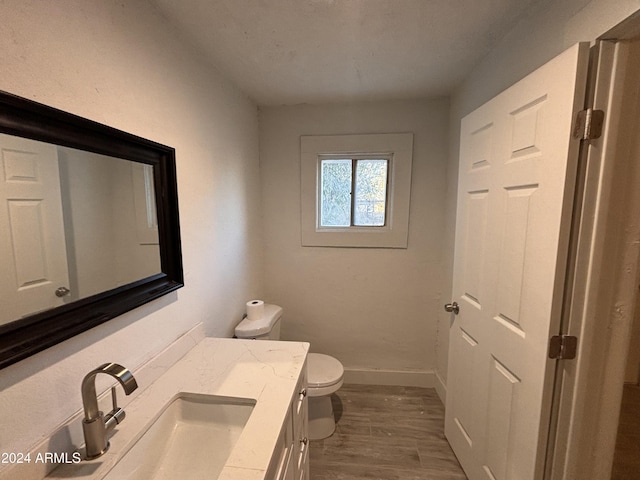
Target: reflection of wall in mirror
x=106, y=250
x=135, y=258
x=86, y=197
x=144, y=200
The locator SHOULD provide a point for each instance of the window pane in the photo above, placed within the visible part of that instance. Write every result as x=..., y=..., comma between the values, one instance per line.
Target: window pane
x=371, y=192
x=335, y=193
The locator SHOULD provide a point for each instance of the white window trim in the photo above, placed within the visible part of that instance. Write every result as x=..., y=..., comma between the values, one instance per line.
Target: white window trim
x=396, y=231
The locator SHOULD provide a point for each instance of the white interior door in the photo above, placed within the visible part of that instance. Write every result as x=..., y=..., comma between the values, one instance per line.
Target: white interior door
x=32, y=241
x=515, y=192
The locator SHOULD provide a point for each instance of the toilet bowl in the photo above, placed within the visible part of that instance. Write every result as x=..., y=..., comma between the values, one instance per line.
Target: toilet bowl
x=324, y=377
x=324, y=373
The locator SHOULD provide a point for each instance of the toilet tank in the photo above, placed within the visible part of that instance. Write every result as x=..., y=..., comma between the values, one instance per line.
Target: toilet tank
x=265, y=328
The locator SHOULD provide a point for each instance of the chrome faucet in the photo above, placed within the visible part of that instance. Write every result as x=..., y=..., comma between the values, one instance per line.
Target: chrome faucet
x=96, y=425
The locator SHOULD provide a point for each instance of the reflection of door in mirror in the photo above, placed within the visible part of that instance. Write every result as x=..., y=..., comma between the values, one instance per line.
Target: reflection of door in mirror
x=32, y=237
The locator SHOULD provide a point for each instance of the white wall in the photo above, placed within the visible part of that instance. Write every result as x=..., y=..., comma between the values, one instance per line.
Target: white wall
x=549, y=28
x=86, y=189
x=134, y=260
x=103, y=245
x=121, y=64
x=373, y=309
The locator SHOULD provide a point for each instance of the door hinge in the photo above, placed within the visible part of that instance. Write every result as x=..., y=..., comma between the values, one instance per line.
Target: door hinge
x=563, y=347
x=588, y=124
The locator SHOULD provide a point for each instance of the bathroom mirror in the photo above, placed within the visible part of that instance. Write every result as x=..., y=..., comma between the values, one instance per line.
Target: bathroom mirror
x=89, y=225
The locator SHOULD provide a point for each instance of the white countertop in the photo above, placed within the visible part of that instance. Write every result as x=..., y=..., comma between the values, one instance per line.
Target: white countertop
x=266, y=371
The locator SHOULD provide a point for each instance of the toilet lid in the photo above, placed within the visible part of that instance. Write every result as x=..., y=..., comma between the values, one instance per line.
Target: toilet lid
x=323, y=370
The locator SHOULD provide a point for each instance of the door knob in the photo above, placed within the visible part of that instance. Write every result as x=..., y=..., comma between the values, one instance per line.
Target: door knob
x=452, y=307
x=62, y=291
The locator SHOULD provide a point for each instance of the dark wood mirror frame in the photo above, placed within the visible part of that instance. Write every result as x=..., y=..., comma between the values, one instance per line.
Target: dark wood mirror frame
x=24, y=118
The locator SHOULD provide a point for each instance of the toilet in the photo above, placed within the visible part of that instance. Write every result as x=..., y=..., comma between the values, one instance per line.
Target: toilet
x=324, y=373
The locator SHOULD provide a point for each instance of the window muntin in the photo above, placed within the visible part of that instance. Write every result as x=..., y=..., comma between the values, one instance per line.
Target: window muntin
x=353, y=191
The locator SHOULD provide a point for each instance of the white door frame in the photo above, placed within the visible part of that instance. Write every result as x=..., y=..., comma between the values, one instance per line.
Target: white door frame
x=605, y=274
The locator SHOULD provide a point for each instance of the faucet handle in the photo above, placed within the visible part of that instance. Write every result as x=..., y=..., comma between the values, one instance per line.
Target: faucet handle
x=114, y=399
x=116, y=415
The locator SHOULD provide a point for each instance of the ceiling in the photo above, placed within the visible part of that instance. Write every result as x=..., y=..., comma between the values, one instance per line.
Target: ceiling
x=323, y=51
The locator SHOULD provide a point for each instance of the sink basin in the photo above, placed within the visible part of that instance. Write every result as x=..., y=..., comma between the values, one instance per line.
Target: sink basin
x=191, y=438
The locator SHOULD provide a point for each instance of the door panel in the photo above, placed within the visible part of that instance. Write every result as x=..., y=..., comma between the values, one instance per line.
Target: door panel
x=515, y=255
x=516, y=179
x=503, y=386
x=477, y=209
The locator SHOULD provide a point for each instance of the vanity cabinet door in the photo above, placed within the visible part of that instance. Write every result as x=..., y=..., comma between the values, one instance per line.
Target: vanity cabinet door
x=290, y=460
x=303, y=462
x=299, y=412
x=280, y=468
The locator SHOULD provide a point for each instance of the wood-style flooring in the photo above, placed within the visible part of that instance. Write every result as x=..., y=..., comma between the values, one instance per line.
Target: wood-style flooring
x=626, y=460
x=385, y=433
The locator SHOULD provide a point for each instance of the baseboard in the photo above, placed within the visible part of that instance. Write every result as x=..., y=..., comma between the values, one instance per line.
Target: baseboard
x=403, y=378
x=441, y=388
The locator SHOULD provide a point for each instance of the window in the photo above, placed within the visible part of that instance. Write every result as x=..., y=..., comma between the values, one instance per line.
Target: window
x=355, y=190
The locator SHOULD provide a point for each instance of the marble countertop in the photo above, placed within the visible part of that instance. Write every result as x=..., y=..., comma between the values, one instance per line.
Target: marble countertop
x=266, y=371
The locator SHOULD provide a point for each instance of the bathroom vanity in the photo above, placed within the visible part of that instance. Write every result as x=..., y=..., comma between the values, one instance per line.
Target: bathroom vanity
x=243, y=404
